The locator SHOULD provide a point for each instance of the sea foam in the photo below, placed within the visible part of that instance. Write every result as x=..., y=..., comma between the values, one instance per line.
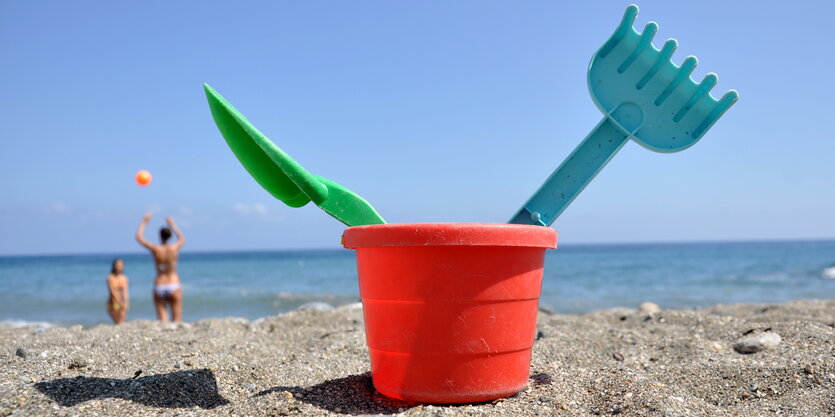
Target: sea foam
x=25, y=323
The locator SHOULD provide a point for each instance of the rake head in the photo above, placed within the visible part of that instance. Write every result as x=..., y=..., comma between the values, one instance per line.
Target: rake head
x=649, y=97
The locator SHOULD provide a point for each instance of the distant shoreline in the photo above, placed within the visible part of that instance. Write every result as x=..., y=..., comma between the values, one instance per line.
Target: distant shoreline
x=325, y=307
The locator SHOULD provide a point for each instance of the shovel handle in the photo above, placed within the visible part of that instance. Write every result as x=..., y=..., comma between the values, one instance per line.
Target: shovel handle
x=573, y=175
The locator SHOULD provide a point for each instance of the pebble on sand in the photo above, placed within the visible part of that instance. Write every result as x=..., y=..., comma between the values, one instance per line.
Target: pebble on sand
x=78, y=363
x=650, y=308
x=756, y=342
x=22, y=352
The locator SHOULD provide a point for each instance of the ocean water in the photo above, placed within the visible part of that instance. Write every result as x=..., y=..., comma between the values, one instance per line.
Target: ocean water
x=62, y=290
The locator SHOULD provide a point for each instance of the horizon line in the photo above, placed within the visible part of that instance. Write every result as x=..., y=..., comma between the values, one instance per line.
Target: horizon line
x=337, y=248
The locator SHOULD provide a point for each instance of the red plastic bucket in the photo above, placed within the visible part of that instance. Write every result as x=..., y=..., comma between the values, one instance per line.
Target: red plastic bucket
x=450, y=308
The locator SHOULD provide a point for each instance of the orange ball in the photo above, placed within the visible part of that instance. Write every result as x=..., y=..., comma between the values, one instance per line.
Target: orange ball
x=143, y=178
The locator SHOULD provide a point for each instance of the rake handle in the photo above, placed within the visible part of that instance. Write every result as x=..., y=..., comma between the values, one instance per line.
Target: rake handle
x=573, y=175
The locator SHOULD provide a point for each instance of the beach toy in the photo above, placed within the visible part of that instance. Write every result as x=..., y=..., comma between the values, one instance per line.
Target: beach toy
x=143, y=178
x=282, y=176
x=450, y=308
x=645, y=97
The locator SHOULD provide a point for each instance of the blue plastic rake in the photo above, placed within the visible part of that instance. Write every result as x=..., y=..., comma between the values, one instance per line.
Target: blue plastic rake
x=645, y=97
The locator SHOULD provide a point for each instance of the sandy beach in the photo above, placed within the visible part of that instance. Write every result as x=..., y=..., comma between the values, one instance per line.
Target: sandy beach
x=638, y=361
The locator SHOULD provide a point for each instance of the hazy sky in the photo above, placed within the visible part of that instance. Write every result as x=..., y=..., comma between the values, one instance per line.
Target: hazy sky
x=431, y=110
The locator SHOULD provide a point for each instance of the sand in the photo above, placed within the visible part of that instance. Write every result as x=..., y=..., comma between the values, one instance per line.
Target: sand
x=615, y=362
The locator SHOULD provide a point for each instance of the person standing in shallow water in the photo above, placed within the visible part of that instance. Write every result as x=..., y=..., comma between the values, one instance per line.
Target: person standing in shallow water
x=117, y=284
x=167, y=292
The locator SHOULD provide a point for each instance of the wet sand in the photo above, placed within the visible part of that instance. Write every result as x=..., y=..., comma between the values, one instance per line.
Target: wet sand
x=628, y=362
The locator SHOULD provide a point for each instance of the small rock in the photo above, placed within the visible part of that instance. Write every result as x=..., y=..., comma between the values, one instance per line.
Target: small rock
x=809, y=369
x=22, y=352
x=716, y=346
x=547, y=310
x=544, y=399
x=649, y=308
x=78, y=363
x=541, y=378
x=287, y=394
x=43, y=354
x=755, y=342
x=618, y=357
x=235, y=368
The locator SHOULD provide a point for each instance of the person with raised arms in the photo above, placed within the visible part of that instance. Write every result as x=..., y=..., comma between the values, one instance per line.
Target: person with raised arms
x=167, y=292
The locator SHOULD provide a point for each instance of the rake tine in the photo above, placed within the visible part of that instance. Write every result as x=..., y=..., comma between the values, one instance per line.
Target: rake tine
x=666, y=52
x=683, y=72
x=625, y=25
x=704, y=87
x=646, y=39
x=721, y=107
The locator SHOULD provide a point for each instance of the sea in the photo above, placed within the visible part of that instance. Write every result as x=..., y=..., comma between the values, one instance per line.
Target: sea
x=60, y=290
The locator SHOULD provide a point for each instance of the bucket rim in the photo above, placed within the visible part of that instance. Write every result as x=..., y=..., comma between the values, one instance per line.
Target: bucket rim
x=449, y=234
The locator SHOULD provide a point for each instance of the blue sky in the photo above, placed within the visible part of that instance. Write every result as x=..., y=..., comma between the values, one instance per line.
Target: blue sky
x=431, y=110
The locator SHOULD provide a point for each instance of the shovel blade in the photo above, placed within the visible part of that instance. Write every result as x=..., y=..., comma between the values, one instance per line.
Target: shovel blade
x=259, y=156
x=280, y=174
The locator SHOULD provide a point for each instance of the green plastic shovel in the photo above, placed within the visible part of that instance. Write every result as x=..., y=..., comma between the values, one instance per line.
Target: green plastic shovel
x=280, y=174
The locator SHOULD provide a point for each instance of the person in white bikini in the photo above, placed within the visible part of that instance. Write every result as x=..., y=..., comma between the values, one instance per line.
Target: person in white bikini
x=168, y=292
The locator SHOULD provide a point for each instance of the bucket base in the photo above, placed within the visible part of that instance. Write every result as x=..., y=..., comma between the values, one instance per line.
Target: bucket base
x=453, y=398
x=450, y=379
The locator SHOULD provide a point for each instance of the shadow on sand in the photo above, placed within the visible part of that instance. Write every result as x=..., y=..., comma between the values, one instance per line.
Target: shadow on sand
x=353, y=395
x=356, y=395
x=183, y=389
